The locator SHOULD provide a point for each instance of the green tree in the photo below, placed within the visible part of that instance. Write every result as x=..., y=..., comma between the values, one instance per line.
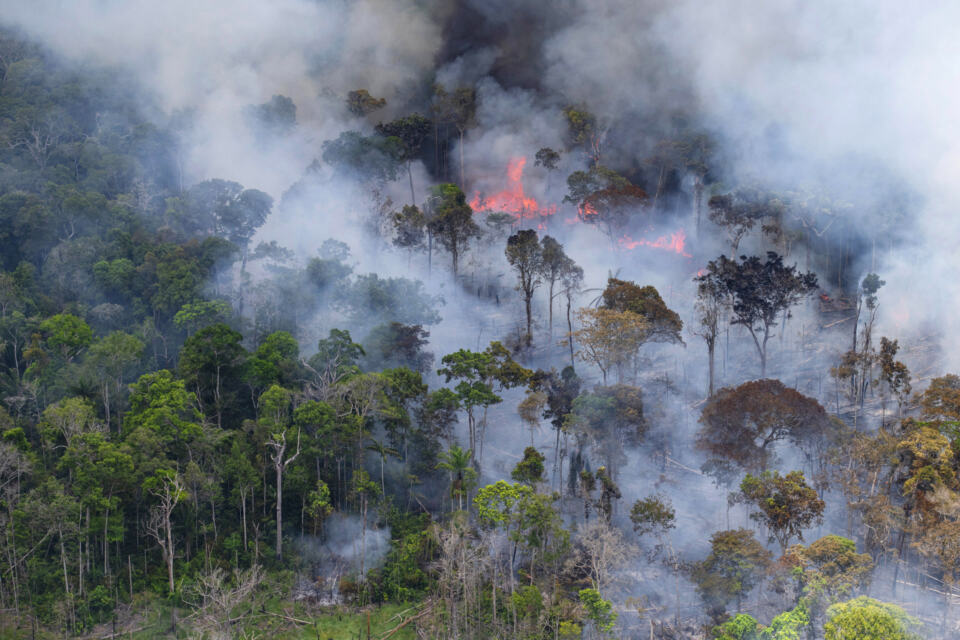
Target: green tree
x=113, y=359
x=786, y=505
x=67, y=334
x=451, y=221
x=409, y=133
x=463, y=476
x=864, y=618
x=525, y=255
x=212, y=361
x=599, y=611
x=360, y=103
x=530, y=469
x=735, y=565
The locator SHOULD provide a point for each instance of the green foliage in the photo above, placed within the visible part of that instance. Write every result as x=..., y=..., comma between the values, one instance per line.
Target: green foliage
x=786, y=505
x=735, y=565
x=864, y=618
x=599, y=611
x=741, y=627
x=653, y=514
x=530, y=469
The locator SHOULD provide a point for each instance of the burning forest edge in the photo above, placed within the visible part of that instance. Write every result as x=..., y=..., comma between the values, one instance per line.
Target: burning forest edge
x=477, y=320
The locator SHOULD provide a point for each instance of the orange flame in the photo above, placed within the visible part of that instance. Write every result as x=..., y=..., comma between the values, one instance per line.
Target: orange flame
x=512, y=199
x=676, y=243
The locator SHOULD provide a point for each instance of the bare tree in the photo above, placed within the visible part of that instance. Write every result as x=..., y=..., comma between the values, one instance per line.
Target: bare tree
x=219, y=598
x=600, y=550
x=169, y=490
x=278, y=441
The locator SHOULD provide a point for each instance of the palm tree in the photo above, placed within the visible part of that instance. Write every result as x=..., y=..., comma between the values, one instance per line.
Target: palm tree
x=382, y=450
x=462, y=475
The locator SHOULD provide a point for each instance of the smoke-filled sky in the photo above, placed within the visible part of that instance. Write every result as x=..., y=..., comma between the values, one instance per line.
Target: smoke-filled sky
x=801, y=92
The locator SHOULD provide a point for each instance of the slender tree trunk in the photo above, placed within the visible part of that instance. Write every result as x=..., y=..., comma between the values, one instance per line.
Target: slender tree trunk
x=413, y=198
x=529, y=318
x=711, y=352
x=550, y=313
x=279, y=469
x=169, y=532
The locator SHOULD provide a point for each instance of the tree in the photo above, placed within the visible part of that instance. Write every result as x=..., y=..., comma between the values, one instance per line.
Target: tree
x=599, y=611
x=737, y=212
x=456, y=461
x=382, y=450
x=458, y=108
x=571, y=280
x=362, y=488
x=67, y=334
x=336, y=358
x=360, y=103
x=605, y=198
x=530, y=469
x=410, y=225
x=371, y=158
x=708, y=308
x=828, y=570
x=609, y=419
x=114, y=358
x=759, y=293
x=553, y=262
x=227, y=210
x=740, y=425
x=409, y=133
x=623, y=295
x=451, y=221
x=894, y=373
x=278, y=442
x=653, y=514
x=197, y=315
x=547, y=158
x=585, y=130
x=864, y=618
x=610, y=339
x=735, y=565
x=477, y=373
x=211, y=361
x=785, y=505
x=276, y=117
x=169, y=490
x=525, y=255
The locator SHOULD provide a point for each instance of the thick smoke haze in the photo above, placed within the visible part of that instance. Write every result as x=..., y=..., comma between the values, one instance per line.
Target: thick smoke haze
x=853, y=101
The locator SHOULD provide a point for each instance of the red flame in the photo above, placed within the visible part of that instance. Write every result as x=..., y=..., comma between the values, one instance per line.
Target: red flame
x=676, y=243
x=512, y=199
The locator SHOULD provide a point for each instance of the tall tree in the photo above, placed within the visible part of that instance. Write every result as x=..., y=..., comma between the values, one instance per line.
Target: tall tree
x=552, y=264
x=738, y=212
x=760, y=292
x=610, y=339
x=525, y=255
x=741, y=425
x=451, y=221
x=735, y=565
x=709, y=307
x=409, y=133
x=458, y=108
x=785, y=505
x=457, y=463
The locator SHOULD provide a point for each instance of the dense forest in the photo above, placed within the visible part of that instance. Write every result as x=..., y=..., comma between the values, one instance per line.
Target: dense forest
x=470, y=320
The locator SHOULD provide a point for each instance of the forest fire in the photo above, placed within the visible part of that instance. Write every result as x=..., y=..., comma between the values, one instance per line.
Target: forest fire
x=676, y=243
x=513, y=200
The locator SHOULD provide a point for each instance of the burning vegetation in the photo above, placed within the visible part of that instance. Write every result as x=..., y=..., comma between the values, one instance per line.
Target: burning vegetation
x=503, y=338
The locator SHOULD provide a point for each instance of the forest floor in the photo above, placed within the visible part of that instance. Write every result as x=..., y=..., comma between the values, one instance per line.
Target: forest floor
x=279, y=619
